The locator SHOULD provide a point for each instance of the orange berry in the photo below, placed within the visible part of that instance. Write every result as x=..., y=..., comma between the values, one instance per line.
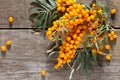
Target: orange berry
x=56, y=66
x=80, y=15
x=77, y=10
x=107, y=46
x=67, y=54
x=8, y=43
x=100, y=11
x=74, y=36
x=78, y=31
x=59, y=8
x=70, y=52
x=65, y=58
x=83, y=12
x=3, y=48
x=79, y=39
x=71, y=56
x=86, y=15
x=93, y=5
x=109, y=35
x=49, y=29
x=112, y=32
x=87, y=11
x=77, y=42
x=71, y=27
x=71, y=7
x=92, y=17
x=58, y=5
x=75, y=47
x=69, y=60
x=68, y=10
x=88, y=19
x=10, y=19
x=59, y=1
x=81, y=34
x=60, y=62
x=76, y=21
x=81, y=21
x=51, y=38
x=100, y=52
x=43, y=72
x=71, y=46
x=62, y=55
x=108, y=57
x=48, y=33
x=113, y=11
x=63, y=9
x=68, y=3
x=67, y=44
x=111, y=39
x=68, y=38
x=94, y=50
x=71, y=22
x=64, y=61
x=115, y=36
x=64, y=0
x=71, y=13
x=67, y=48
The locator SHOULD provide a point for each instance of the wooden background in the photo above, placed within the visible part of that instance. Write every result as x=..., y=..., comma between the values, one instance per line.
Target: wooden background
x=27, y=55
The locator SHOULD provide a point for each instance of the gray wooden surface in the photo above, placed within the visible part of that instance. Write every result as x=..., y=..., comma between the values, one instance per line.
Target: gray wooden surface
x=27, y=55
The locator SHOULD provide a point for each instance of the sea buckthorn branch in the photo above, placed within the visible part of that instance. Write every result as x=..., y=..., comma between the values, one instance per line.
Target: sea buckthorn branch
x=84, y=31
x=79, y=31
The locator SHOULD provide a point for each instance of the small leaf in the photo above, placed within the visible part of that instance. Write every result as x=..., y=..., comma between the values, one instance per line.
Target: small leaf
x=46, y=13
x=96, y=44
x=74, y=17
x=50, y=50
x=56, y=37
x=51, y=53
x=52, y=3
x=95, y=57
x=71, y=74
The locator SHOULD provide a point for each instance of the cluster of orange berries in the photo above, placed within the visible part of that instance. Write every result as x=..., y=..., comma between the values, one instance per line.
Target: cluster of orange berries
x=68, y=48
x=100, y=51
x=76, y=23
x=112, y=35
x=52, y=31
x=63, y=4
x=8, y=43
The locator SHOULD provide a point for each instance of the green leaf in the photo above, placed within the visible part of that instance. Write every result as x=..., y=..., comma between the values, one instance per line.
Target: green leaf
x=86, y=64
x=59, y=21
x=94, y=57
x=71, y=18
x=45, y=4
x=34, y=15
x=87, y=6
x=35, y=4
x=45, y=13
x=51, y=53
x=90, y=36
x=56, y=37
x=82, y=62
x=71, y=73
x=50, y=50
x=45, y=21
x=96, y=44
x=62, y=37
x=52, y=3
